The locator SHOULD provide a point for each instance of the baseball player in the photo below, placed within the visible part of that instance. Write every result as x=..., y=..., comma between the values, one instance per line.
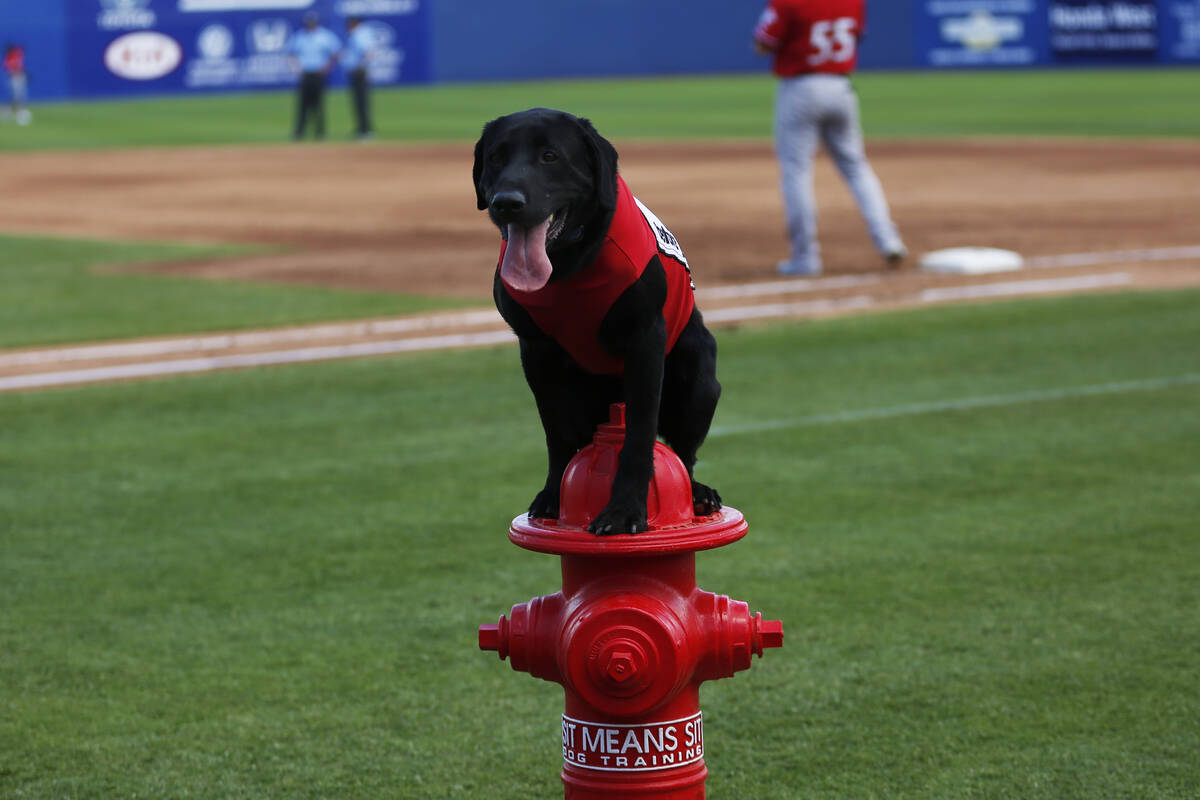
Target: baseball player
x=814, y=44
x=14, y=68
x=312, y=51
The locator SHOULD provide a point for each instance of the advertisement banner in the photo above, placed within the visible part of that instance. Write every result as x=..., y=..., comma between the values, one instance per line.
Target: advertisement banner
x=981, y=33
x=1108, y=31
x=1180, y=31
x=120, y=47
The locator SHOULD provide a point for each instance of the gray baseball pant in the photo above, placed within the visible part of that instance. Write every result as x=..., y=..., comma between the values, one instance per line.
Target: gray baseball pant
x=825, y=106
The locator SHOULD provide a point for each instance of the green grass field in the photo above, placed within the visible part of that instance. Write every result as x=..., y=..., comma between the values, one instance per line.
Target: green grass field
x=62, y=290
x=1028, y=103
x=978, y=525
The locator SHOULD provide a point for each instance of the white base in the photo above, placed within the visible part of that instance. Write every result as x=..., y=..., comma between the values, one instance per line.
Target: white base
x=972, y=260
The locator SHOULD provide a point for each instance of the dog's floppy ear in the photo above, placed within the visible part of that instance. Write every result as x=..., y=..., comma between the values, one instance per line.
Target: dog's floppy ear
x=477, y=171
x=604, y=164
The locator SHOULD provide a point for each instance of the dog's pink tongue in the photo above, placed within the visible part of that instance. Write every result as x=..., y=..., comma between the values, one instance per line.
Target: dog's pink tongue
x=526, y=267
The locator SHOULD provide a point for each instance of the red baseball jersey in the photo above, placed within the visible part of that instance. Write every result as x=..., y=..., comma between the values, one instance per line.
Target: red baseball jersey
x=570, y=311
x=809, y=36
x=14, y=61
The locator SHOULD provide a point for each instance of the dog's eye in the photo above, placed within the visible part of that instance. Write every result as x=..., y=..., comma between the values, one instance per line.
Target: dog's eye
x=549, y=156
x=495, y=158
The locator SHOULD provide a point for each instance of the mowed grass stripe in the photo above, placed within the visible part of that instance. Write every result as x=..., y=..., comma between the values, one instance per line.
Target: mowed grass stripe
x=959, y=404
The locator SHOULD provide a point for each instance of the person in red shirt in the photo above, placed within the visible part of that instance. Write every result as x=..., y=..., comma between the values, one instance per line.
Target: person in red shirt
x=14, y=68
x=814, y=49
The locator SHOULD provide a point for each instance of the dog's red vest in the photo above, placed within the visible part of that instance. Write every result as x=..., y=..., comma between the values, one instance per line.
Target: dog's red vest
x=570, y=311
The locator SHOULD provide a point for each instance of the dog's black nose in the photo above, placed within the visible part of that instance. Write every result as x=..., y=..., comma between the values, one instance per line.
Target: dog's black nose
x=508, y=204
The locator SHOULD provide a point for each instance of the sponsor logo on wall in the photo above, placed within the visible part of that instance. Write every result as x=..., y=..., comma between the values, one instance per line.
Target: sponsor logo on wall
x=264, y=62
x=122, y=15
x=142, y=56
x=267, y=35
x=215, y=42
x=367, y=8
x=213, y=65
x=198, y=6
x=387, y=60
x=1184, y=17
x=970, y=33
x=982, y=31
x=1104, y=27
x=141, y=46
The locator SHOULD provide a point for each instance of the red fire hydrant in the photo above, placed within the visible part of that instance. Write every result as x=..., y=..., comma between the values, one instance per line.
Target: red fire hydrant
x=630, y=637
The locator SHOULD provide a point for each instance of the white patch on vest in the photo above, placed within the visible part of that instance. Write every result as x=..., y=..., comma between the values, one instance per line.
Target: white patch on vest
x=666, y=240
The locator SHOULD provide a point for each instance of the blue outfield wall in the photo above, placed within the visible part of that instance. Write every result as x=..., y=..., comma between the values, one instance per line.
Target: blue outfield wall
x=957, y=34
x=517, y=39
x=109, y=48
x=39, y=27
x=156, y=46
x=484, y=40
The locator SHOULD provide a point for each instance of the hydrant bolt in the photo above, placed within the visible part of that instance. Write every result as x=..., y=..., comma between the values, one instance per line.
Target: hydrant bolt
x=621, y=666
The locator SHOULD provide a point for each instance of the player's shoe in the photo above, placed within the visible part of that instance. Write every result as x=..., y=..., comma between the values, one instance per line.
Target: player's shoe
x=894, y=258
x=794, y=270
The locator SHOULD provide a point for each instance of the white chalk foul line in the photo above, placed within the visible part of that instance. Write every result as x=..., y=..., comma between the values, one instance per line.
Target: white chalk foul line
x=330, y=352
x=746, y=313
x=857, y=302
x=182, y=366
x=790, y=286
x=193, y=344
x=986, y=401
x=1033, y=286
x=229, y=341
x=1114, y=257
x=350, y=330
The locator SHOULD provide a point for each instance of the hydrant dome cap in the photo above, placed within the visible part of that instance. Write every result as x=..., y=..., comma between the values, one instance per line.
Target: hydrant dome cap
x=587, y=486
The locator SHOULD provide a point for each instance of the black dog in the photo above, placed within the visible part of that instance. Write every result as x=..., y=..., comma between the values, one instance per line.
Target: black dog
x=599, y=294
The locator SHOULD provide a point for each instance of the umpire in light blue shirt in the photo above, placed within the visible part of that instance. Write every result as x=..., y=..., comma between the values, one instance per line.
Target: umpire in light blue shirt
x=312, y=52
x=355, y=58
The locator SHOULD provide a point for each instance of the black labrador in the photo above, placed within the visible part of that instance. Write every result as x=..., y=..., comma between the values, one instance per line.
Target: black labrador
x=599, y=319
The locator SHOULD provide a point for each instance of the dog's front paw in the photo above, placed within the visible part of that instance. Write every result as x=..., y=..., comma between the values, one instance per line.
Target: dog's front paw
x=705, y=500
x=619, y=518
x=544, y=506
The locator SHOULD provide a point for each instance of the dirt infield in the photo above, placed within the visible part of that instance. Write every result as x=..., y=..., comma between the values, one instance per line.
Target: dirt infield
x=403, y=218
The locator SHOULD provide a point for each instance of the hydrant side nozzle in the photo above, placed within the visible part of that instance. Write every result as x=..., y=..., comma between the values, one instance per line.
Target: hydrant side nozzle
x=495, y=637
x=767, y=633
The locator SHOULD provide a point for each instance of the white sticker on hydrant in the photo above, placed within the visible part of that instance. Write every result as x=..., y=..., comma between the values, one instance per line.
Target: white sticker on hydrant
x=633, y=748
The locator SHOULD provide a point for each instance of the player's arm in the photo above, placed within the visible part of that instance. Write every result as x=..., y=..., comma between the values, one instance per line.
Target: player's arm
x=335, y=52
x=366, y=44
x=770, y=30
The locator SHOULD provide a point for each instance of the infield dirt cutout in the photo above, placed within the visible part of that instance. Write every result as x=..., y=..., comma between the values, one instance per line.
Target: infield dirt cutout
x=402, y=218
